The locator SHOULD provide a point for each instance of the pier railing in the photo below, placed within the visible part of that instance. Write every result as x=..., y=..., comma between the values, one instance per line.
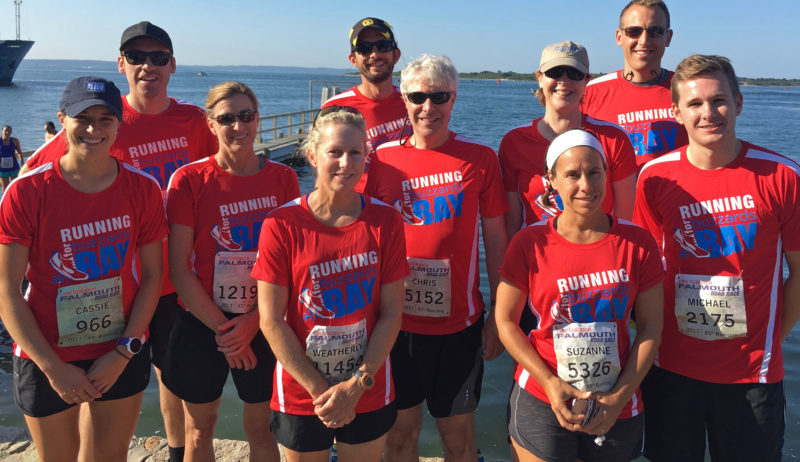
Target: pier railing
x=286, y=125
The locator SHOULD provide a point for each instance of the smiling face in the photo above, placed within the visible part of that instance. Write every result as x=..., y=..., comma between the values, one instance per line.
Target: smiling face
x=430, y=121
x=238, y=137
x=707, y=108
x=146, y=80
x=562, y=93
x=92, y=131
x=375, y=67
x=643, y=54
x=580, y=179
x=338, y=157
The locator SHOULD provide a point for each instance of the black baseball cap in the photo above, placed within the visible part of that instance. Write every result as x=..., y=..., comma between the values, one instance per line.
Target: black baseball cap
x=85, y=92
x=145, y=29
x=371, y=23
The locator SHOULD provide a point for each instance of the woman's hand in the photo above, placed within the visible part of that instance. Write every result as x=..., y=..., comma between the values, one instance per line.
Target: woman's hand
x=609, y=406
x=336, y=407
x=559, y=393
x=72, y=384
x=242, y=359
x=106, y=369
x=237, y=333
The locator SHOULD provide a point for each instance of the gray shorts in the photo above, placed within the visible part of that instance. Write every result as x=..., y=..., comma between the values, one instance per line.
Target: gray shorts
x=533, y=426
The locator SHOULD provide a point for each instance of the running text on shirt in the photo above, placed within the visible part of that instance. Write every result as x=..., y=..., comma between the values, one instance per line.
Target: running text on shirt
x=168, y=154
x=340, y=286
x=435, y=197
x=648, y=131
x=717, y=227
x=92, y=250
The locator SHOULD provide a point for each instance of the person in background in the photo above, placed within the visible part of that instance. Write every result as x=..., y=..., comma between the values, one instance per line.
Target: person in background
x=330, y=272
x=580, y=356
x=725, y=214
x=637, y=97
x=374, y=52
x=158, y=134
x=86, y=231
x=215, y=208
x=49, y=130
x=562, y=75
x=10, y=157
x=447, y=187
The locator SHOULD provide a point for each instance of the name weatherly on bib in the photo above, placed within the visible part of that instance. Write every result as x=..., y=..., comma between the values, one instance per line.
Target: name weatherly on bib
x=717, y=227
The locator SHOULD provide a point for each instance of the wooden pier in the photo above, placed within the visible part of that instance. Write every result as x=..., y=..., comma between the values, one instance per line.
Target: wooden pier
x=279, y=135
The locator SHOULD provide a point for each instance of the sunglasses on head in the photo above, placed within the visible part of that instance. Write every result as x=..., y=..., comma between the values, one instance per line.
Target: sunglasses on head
x=572, y=73
x=136, y=57
x=652, y=31
x=437, y=97
x=331, y=109
x=229, y=118
x=383, y=46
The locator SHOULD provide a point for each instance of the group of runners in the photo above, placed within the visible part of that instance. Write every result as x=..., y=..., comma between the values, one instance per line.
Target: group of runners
x=341, y=311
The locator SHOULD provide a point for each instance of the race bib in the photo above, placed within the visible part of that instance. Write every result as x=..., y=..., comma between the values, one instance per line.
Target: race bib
x=710, y=307
x=6, y=162
x=428, y=288
x=90, y=312
x=337, y=351
x=587, y=355
x=234, y=289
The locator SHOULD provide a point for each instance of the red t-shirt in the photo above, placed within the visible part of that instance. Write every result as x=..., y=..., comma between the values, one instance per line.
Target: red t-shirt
x=334, y=276
x=732, y=224
x=78, y=245
x=644, y=112
x=386, y=119
x=157, y=144
x=583, y=305
x=522, y=158
x=441, y=193
x=226, y=213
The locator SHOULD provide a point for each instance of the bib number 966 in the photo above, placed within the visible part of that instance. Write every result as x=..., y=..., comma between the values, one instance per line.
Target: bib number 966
x=94, y=324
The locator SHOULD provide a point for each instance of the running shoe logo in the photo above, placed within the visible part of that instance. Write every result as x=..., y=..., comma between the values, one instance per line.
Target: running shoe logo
x=406, y=210
x=553, y=210
x=686, y=238
x=314, y=305
x=560, y=316
x=65, y=265
x=222, y=234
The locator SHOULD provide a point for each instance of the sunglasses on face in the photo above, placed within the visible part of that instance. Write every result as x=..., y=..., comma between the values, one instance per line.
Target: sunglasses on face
x=136, y=57
x=332, y=109
x=652, y=31
x=437, y=97
x=572, y=73
x=229, y=118
x=383, y=46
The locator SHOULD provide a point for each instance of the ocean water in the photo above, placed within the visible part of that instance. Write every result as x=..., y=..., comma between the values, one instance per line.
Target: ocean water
x=484, y=111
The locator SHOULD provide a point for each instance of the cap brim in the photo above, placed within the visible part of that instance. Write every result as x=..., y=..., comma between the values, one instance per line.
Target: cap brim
x=75, y=109
x=166, y=45
x=565, y=61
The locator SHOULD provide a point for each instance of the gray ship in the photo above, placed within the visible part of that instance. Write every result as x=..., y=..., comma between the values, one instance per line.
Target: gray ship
x=12, y=52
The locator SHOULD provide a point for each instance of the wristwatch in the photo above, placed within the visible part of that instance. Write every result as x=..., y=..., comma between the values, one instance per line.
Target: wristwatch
x=365, y=379
x=132, y=344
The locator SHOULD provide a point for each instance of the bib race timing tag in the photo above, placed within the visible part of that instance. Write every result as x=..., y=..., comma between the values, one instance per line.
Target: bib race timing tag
x=337, y=351
x=587, y=355
x=234, y=289
x=428, y=288
x=6, y=162
x=710, y=307
x=90, y=312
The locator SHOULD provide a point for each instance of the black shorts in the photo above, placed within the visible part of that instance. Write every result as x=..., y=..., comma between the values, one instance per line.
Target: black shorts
x=445, y=371
x=161, y=326
x=306, y=433
x=742, y=421
x=36, y=397
x=533, y=426
x=196, y=372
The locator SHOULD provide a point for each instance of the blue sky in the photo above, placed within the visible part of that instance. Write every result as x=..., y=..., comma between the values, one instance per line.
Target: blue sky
x=477, y=35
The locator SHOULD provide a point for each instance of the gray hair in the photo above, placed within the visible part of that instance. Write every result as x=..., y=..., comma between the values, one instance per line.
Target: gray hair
x=437, y=70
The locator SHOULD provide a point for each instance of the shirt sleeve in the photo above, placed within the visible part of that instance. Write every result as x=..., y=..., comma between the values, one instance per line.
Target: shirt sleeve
x=621, y=156
x=504, y=155
x=154, y=219
x=272, y=261
x=393, y=249
x=651, y=268
x=180, y=200
x=17, y=221
x=493, y=200
x=643, y=215
x=516, y=265
x=790, y=213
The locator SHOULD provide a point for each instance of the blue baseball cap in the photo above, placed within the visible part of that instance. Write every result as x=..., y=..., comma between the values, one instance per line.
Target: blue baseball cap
x=85, y=92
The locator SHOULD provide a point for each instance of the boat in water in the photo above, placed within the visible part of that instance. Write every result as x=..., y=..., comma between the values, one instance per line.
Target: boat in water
x=12, y=52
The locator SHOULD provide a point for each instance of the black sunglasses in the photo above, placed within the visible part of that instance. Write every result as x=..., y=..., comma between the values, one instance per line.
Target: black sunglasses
x=572, y=73
x=383, y=46
x=652, y=31
x=229, y=118
x=437, y=97
x=331, y=109
x=136, y=57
